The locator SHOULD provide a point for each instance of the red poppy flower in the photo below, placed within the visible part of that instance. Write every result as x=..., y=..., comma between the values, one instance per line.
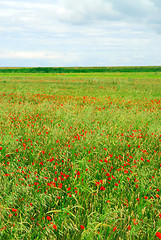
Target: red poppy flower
x=129, y=227
x=81, y=226
x=48, y=218
x=14, y=210
x=55, y=227
x=158, y=234
x=114, y=229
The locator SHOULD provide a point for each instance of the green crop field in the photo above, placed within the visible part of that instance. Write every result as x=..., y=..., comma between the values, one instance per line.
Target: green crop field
x=80, y=155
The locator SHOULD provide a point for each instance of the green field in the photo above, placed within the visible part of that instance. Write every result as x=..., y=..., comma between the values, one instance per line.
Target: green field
x=80, y=69
x=80, y=155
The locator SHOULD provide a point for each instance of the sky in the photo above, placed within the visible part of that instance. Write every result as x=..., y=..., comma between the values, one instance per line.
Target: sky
x=69, y=33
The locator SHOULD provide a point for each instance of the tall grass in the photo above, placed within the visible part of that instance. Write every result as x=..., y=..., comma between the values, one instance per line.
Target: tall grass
x=80, y=156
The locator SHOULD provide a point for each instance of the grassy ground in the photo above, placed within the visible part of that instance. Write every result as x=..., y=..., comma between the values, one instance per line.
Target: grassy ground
x=80, y=156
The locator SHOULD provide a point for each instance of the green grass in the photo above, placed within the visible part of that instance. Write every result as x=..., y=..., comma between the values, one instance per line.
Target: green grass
x=80, y=155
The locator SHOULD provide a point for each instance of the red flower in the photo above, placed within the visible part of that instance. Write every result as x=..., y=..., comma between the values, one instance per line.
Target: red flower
x=81, y=226
x=55, y=227
x=102, y=188
x=129, y=227
x=114, y=229
x=14, y=210
x=78, y=173
x=0, y=148
x=158, y=234
x=48, y=218
x=134, y=221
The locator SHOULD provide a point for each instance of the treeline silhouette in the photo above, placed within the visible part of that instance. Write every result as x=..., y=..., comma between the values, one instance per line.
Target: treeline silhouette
x=80, y=69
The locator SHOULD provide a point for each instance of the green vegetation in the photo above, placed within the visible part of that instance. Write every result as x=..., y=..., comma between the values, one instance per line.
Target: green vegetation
x=81, y=69
x=80, y=155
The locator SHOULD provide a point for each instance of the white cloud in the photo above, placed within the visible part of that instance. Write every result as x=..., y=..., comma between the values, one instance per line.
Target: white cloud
x=83, y=12
x=28, y=55
x=72, y=32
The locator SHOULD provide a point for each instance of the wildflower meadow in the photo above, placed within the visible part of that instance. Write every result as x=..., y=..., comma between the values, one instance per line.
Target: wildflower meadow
x=80, y=156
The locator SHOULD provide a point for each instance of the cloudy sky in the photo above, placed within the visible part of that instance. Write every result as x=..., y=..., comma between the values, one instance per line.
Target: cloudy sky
x=80, y=32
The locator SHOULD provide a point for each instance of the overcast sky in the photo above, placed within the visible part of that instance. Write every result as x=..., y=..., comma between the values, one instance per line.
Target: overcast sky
x=80, y=32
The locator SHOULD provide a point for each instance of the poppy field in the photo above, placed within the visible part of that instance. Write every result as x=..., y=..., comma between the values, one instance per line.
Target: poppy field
x=80, y=156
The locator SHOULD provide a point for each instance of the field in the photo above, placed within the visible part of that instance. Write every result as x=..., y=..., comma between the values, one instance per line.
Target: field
x=80, y=156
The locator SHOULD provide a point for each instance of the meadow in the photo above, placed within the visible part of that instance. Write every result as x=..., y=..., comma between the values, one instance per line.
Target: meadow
x=80, y=156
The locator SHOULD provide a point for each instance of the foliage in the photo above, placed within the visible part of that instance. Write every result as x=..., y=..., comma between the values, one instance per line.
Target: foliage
x=81, y=69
